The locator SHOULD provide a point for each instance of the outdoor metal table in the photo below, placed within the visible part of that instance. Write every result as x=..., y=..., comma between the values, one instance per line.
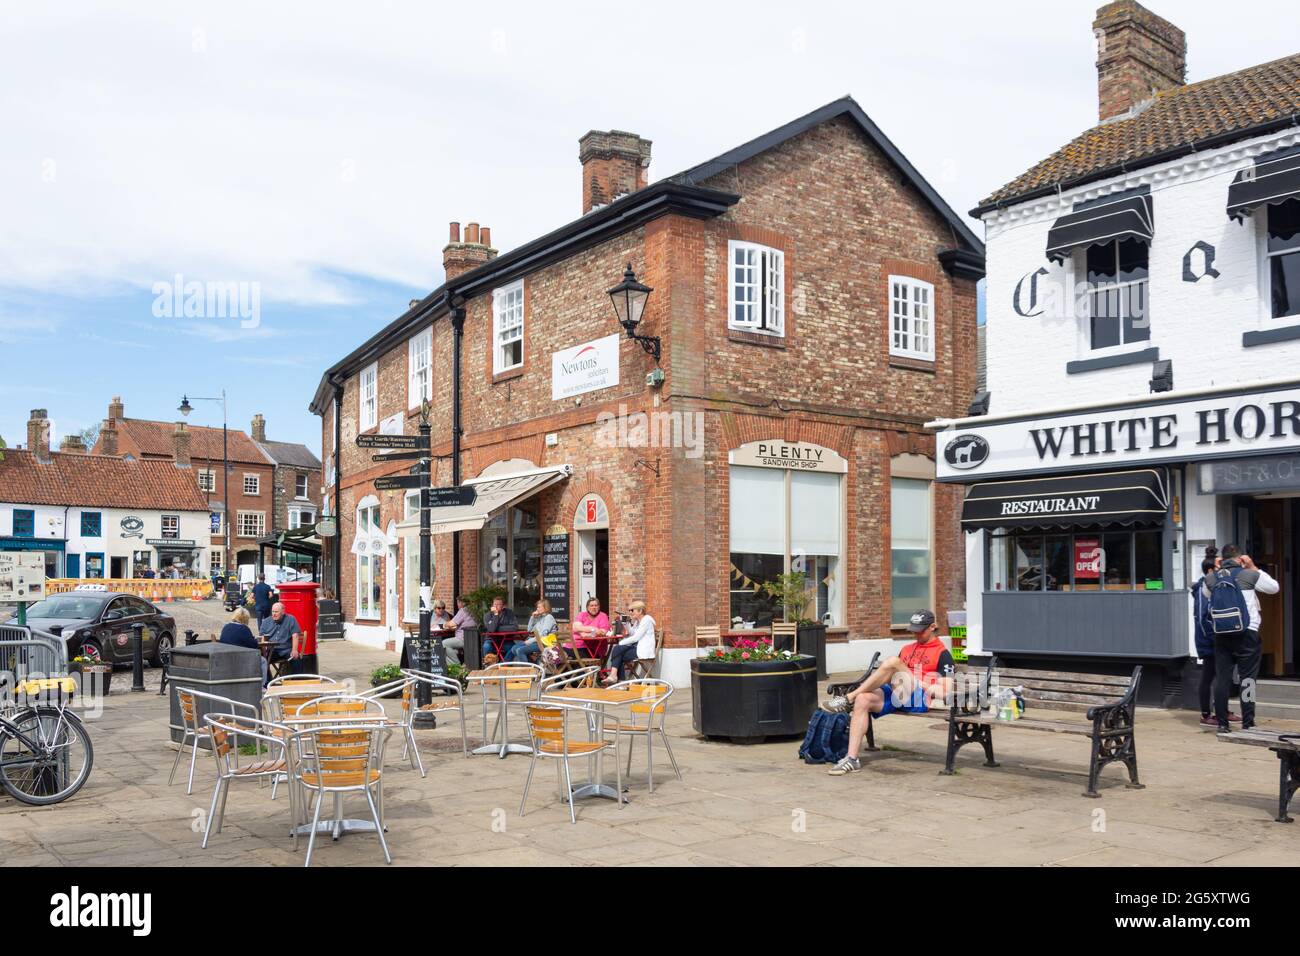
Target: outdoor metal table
x=338, y=824
x=503, y=676
x=600, y=698
x=499, y=639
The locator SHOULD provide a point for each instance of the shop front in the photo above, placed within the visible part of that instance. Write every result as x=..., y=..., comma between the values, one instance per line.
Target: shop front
x=1085, y=527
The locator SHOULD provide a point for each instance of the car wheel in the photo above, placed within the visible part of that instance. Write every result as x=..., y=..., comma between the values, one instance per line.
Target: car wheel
x=162, y=647
x=92, y=647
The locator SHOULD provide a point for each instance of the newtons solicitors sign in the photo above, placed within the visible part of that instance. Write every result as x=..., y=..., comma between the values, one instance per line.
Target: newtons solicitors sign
x=1228, y=424
x=585, y=368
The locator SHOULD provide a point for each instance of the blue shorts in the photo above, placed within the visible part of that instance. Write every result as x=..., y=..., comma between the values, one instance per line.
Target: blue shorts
x=916, y=703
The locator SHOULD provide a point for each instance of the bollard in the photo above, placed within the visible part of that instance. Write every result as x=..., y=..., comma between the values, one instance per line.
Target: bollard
x=423, y=654
x=137, y=658
x=191, y=638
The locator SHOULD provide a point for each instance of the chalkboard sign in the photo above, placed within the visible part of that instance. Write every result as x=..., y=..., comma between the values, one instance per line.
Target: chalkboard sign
x=410, y=657
x=555, y=574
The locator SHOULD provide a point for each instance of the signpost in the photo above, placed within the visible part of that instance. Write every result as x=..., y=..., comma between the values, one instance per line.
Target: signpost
x=448, y=497
x=418, y=442
x=395, y=482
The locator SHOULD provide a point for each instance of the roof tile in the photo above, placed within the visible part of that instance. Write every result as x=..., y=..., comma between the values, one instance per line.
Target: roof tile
x=98, y=481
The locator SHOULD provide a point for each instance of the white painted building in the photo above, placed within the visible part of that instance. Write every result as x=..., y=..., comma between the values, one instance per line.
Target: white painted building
x=1143, y=368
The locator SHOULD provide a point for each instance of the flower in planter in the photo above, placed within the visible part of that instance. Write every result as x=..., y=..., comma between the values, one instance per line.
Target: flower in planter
x=745, y=656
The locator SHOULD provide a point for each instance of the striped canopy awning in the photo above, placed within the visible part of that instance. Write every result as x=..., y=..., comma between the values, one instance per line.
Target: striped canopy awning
x=1125, y=215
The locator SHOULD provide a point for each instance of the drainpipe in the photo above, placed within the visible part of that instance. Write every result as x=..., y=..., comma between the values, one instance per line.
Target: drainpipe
x=337, y=544
x=457, y=313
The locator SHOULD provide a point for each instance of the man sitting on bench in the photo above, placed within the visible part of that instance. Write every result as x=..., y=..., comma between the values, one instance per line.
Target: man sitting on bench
x=919, y=676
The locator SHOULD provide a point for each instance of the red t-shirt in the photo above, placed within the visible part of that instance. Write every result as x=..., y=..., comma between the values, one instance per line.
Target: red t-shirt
x=930, y=660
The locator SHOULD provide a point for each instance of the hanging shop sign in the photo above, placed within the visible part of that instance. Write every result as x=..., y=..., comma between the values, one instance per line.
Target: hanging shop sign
x=1226, y=425
x=585, y=368
x=793, y=455
x=174, y=544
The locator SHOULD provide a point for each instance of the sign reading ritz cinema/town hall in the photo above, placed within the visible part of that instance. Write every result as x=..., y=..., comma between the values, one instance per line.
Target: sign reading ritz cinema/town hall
x=1231, y=425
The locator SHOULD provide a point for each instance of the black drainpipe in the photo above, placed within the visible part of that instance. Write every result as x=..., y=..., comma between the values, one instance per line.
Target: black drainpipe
x=457, y=313
x=337, y=543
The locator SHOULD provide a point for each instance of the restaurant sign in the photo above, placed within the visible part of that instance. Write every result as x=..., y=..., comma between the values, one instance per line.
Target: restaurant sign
x=585, y=368
x=794, y=455
x=1224, y=425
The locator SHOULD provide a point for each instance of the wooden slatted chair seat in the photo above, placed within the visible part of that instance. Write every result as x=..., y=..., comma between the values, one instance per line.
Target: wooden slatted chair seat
x=709, y=634
x=340, y=778
x=443, y=703
x=578, y=748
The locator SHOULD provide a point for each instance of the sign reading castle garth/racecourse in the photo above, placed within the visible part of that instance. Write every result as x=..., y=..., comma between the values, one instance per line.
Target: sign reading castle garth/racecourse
x=1227, y=424
x=585, y=368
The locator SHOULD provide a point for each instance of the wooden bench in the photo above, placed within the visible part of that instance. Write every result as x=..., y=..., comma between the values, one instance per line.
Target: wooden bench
x=1287, y=748
x=1109, y=703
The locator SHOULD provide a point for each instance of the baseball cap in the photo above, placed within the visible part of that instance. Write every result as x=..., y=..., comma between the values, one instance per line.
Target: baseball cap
x=920, y=621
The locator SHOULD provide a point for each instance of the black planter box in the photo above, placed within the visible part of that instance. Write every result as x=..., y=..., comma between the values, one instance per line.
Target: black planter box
x=753, y=700
x=812, y=640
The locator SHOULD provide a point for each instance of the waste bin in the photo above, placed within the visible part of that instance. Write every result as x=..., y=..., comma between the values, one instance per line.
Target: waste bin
x=299, y=599
x=221, y=669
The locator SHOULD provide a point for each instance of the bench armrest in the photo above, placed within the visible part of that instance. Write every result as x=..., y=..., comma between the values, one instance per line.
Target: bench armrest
x=1128, y=701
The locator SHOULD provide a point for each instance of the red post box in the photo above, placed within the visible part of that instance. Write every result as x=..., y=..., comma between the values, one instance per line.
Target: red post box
x=299, y=599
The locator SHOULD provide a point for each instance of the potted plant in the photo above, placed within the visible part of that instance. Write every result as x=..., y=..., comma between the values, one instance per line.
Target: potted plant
x=96, y=674
x=752, y=691
x=479, y=601
x=386, y=675
x=791, y=591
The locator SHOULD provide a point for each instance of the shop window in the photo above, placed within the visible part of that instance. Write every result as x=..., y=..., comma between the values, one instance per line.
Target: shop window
x=1148, y=562
x=909, y=548
x=92, y=524
x=1284, y=257
x=1086, y=561
x=508, y=327
x=24, y=523
x=911, y=318
x=1056, y=560
x=1117, y=293
x=94, y=565
x=368, y=575
x=757, y=297
x=1117, y=561
x=510, y=556
x=764, y=545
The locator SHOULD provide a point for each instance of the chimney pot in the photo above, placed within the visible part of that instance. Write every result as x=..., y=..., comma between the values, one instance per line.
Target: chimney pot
x=485, y=236
x=1138, y=55
x=460, y=257
x=455, y=232
x=471, y=234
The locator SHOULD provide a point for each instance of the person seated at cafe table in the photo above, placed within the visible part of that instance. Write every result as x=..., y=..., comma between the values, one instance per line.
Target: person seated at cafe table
x=500, y=618
x=591, y=624
x=638, y=645
x=237, y=633
x=454, y=647
x=921, y=675
x=286, y=634
x=540, y=626
x=441, y=619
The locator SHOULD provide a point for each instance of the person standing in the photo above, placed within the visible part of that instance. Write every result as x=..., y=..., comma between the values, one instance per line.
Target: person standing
x=638, y=645
x=1205, y=646
x=1240, y=648
x=262, y=599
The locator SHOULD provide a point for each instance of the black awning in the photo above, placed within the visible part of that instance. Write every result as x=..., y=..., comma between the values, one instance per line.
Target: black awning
x=1273, y=178
x=1125, y=215
x=1111, y=497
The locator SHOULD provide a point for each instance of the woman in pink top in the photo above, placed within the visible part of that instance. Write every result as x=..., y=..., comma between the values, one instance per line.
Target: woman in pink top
x=591, y=624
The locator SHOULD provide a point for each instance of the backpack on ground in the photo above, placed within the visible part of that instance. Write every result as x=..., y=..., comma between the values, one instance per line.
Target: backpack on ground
x=1228, y=612
x=827, y=739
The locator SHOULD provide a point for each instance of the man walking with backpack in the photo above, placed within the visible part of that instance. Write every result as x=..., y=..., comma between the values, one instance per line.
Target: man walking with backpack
x=1232, y=593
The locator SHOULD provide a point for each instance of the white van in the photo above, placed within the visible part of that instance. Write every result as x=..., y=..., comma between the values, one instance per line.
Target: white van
x=276, y=575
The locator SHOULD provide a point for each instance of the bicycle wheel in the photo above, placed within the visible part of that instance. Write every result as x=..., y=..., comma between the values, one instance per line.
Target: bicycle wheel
x=51, y=759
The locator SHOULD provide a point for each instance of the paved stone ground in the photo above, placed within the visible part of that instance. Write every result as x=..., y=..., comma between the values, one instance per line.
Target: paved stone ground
x=1205, y=803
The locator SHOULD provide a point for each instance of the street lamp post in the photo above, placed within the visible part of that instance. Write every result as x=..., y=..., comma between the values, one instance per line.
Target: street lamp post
x=185, y=409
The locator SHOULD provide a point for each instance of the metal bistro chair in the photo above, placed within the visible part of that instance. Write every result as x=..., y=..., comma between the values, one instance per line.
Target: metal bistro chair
x=786, y=629
x=402, y=686
x=548, y=729
x=195, y=728
x=275, y=707
x=226, y=731
x=574, y=678
x=439, y=704
x=301, y=679
x=709, y=634
x=338, y=759
x=645, y=666
x=648, y=716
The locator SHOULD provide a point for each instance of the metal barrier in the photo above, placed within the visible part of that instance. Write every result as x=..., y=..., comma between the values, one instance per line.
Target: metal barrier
x=24, y=654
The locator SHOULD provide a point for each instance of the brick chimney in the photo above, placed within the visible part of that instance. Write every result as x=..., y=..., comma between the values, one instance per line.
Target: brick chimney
x=107, y=443
x=259, y=427
x=459, y=257
x=614, y=163
x=1138, y=55
x=116, y=410
x=72, y=445
x=182, y=438
x=38, y=435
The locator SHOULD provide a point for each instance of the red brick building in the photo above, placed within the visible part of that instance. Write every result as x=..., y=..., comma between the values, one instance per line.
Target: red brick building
x=814, y=299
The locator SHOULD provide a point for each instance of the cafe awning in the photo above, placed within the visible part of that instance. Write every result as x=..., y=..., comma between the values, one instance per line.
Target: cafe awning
x=1125, y=215
x=1273, y=178
x=1111, y=497
x=495, y=494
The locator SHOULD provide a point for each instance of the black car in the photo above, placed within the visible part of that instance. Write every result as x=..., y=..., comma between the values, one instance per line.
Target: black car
x=99, y=623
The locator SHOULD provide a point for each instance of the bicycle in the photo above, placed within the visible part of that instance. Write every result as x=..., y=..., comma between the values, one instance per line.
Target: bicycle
x=45, y=751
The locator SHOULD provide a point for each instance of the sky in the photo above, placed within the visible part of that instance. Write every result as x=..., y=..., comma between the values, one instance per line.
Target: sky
x=297, y=164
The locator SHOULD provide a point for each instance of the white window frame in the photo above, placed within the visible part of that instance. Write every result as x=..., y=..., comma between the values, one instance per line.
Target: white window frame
x=216, y=559
x=207, y=480
x=367, y=565
x=302, y=486
x=507, y=307
x=260, y=524
x=911, y=302
x=929, y=549
x=1090, y=294
x=411, y=505
x=299, y=517
x=252, y=485
x=175, y=521
x=1266, y=278
x=419, y=369
x=368, y=397
x=760, y=294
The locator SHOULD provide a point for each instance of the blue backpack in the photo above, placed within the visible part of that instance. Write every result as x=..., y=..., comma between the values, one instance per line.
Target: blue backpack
x=1228, y=612
x=827, y=740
